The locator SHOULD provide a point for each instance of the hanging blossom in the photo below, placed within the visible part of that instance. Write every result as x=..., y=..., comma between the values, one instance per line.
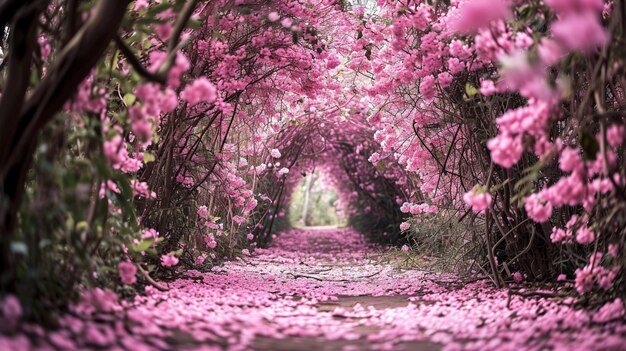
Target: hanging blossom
x=479, y=201
x=127, y=272
x=169, y=260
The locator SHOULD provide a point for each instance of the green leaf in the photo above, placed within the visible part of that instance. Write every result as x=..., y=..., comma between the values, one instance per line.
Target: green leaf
x=142, y=246
x=294, y=37
x=129, y=99
x=176, y=253
x=368, y=54
x=359, y=34
x=470, y=90
x=148, y=157
x=194, y=24
x=244, y=10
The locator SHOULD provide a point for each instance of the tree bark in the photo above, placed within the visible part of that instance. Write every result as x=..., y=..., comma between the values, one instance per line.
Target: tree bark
x=25, y=116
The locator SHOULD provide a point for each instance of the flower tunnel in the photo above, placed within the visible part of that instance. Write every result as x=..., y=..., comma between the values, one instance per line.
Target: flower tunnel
x=144, y=141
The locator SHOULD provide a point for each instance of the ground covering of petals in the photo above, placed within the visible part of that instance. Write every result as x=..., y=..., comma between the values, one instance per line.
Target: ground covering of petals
x=326, y=289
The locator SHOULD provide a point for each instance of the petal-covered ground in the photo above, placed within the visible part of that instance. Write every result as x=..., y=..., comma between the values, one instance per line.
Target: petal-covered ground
x=326, y=289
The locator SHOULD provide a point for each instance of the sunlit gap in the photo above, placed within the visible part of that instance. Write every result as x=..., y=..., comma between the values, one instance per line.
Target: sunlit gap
x=316, y=203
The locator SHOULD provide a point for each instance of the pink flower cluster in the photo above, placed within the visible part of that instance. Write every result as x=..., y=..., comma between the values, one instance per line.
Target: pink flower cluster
x=477, y=200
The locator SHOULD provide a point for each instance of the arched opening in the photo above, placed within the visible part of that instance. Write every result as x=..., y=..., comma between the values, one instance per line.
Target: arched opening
x=316, y=203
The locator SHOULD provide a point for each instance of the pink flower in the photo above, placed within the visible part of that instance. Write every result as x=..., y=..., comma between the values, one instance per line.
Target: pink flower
x=584, y=280
x=250, y=236
x=561, y=277
x=169, y=260
x=150, y=234
x=283, y=171
x=275, y=153
x=537, y=208
x=427, y=87
x=479, y=201
x=11, y=310
x=404, y=248
x=200, y=259
x=286, y=22
x=127, y=272
x=245, y=252
x=615, y=135
x=505, y=150
x=613, y=249
x=404, y=226
x=475, y=14
x=201, y=90
x=250, y=205
x=579, y=32
x=445, y=79
x=571, y=160
x=549, y=51
x=610, y=311
x=518, y=277
x=239, y=219
x=273, y=16
x=584, y=235
x=203, y=211
x=564, y=6
x=140, y=4
x=487, y=87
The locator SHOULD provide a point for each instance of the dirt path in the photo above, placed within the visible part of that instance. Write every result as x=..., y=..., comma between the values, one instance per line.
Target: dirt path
x=326, y=289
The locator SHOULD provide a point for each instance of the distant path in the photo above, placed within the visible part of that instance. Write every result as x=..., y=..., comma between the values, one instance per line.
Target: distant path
x=324, y=289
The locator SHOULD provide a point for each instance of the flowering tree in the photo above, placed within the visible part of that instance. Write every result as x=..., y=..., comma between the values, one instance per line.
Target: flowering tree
x=141, y=138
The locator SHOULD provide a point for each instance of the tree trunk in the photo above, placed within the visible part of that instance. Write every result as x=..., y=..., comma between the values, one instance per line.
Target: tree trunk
x=22, y=117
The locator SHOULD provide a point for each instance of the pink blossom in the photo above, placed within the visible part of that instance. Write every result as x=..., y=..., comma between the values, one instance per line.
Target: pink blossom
x=127, y=271
x=250, y=205
x=140, y=4
x=239, y=219
x=549, y=51
x=475, y=14
x=11, y=309
x=427, y=87
x=505, y=150
x=245, y=252
x=518, y=277
x=565, y=6
x=404, y=226
x=150, y=234
x=275, y=153
x=579, y=32
x=479, y=201
x=445, y=79
x=584, y=235
x=273, y=16
x=200, y=259
x=201, y=90
x=610, y=311
x=286, y=22
x=405, y=248
x=584, y=280
x=203, y=212
x=169, y=260
x=250, y=236
x=283, y=171
x=571, y=160
x=537, y=208
x=615, y=135
x=487, y=87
